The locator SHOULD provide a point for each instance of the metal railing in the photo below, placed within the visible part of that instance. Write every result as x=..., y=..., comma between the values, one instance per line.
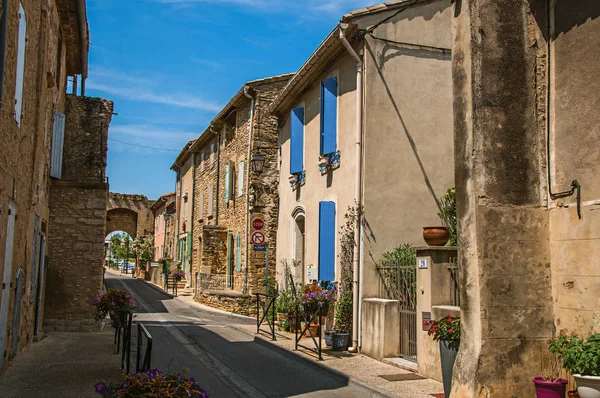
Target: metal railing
x=123, y=338
x=454, y=282
x=388, y=281
x=262, y=313
x=142, y=363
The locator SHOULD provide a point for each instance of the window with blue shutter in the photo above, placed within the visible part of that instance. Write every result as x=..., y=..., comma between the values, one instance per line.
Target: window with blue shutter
x=326, y=241
x=21, y=44
x=238, y=253
x=297, y=140
x=58, y=139
x=328, y=115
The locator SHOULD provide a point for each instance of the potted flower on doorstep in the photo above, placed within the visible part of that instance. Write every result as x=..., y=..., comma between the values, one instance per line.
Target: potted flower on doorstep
x=447, y=332
x=114, y=303
x=580, y=357
x=178, y=274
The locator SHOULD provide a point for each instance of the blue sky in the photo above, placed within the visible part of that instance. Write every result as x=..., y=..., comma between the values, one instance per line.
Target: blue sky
x=170, y=65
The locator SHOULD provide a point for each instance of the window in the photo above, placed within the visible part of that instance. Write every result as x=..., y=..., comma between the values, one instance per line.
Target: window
x=58, y=138
x=185, y=207
x=328, y=115
x=201, y=204
x=229, y=181
x=212, y=153
x=210, y=200
x=326, y=241
x=240, y=183
x=202, y=161
x=238, y=253
x=22, y=43
x=297, y=140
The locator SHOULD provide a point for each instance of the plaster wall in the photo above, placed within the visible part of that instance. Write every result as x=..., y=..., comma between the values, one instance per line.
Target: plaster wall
x=159, y=231
x=336, y=185
x=408, y=138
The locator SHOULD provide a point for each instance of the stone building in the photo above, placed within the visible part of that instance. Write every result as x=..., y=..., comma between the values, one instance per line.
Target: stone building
x=368, y=119
x=160, y=209
x=227, y=197
x=42, y=42
x=526, y=82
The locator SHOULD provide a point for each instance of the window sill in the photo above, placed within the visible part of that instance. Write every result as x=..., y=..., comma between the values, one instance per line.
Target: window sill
x=329, y=161
x=297, y=179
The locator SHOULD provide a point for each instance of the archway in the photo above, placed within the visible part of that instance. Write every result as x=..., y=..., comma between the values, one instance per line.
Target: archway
x=122, y=220
x=299, y=244
x=118, y=251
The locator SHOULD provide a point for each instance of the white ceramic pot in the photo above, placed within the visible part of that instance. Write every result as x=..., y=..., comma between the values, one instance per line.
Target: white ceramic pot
x=588, y=386
x=323, y=162
x=293, y=179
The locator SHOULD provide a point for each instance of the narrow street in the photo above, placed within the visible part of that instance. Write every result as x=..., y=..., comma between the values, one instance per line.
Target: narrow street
x=225, y=361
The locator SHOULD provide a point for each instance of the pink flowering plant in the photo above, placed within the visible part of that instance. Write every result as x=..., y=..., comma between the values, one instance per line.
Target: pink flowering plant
x=153, y=383
x=445, y=329
x=113, y=303
x=178, y=274
x=313, y=294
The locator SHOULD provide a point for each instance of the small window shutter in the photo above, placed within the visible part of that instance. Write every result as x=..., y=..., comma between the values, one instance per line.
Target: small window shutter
x=34, y=262
x=229, y=258
x=210, y=200
x=241, y=179
x=238, y=253
x=58, y=139
x=202, y=161
x=297, y=140
x=326, y=241
x=201, y=204
x=21, y=45
x=189, y=249
x=227, y=182
x=328, y=115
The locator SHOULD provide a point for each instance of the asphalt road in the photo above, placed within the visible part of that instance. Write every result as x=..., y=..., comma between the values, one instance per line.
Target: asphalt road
x=225, y=361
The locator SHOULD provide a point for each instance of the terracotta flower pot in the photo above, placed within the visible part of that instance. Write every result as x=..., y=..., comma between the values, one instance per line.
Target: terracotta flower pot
x=436, y=236
x=314, y=328
x=572, y=394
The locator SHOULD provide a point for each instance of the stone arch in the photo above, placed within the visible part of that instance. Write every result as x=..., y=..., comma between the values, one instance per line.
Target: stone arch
x=130, y=213
x=122, y=220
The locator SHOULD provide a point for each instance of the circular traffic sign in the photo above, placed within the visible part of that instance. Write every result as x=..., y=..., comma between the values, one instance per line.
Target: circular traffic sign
x=258, y=224
x=258, y=238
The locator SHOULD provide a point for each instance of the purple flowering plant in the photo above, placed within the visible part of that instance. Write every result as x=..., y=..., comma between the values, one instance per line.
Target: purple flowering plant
x=178, y=274
x=112, y=303
x=153, y=383
x=314, y=294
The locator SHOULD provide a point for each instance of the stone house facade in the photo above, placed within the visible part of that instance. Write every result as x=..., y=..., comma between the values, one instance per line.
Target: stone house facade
x=526, y=82
x=159, y=209
x=228, y=196
x=368, y=121
x=42, y=46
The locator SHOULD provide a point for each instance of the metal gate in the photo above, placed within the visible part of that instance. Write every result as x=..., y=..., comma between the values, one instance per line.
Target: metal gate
x=407, y=307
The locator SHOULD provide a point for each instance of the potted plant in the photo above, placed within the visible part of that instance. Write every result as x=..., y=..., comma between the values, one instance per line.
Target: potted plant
x=440, y=235
x=153, y=383
x=552, y=385
x=114, y=303
x=316, y=300
x=293, y=179
x=581, y=357
x=178, y=275
x=447, y=332
x=340, y=340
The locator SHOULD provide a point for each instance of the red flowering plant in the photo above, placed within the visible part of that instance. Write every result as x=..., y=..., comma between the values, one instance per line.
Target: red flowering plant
x=153, y=383
x=113, y=303
x=445, y=329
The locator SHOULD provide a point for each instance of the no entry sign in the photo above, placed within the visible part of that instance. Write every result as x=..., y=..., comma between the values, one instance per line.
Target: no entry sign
x=258, y=238
x=258, y=224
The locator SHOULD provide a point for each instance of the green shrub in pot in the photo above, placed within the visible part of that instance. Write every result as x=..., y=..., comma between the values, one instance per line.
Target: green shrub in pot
x=581, y=357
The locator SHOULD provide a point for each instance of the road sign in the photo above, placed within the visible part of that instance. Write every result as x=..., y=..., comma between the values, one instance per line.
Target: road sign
x=258, y=224
x=260, y=248
x=258, y=238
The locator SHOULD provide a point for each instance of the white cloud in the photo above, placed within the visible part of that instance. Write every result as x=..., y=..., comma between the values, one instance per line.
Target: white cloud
x=142, y=94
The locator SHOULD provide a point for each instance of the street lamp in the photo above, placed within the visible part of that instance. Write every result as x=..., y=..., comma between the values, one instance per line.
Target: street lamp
x=258, y=162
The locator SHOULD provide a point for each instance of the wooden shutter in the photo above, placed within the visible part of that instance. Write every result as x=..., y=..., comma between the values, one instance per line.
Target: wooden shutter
x=297, y=140
x=21, y=45
x=201, y=204
x=241, y=179
x=229, y=258
x=228, y=172
x=58, y=139
x=202, y=161
x=189, y=250
x=210, y=200
x=328, y=115
x=238, y=253
x=326, y=241
x=34, y=260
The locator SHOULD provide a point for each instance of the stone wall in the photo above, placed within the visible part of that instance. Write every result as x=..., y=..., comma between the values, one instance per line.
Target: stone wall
x=78, y=207
x=123, y=206
x=25, y=162
x=214, y=250
x=235, y=304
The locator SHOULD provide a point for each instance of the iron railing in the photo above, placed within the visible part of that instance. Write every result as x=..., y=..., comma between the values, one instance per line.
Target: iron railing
x=454, y=282
x=388, y=281
x=265, y=310
x=142, y=363
x=123, y=338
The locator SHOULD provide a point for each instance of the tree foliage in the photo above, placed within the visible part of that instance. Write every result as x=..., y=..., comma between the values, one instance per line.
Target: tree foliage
x=144, y=247
x=118, y=245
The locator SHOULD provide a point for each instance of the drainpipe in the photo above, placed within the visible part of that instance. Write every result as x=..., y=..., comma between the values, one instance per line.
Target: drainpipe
x=3, y=23
x=210, y=127
x=357, y=191
x=253, y=99
x=191, y=280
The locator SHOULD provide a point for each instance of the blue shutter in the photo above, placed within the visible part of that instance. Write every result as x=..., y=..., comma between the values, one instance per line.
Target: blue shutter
x=238, y=253
x=229, y=259
x=328, y=115
x=227, y=180
x=297, y=140
x=58, y=139
x=34, y=260
x=241, y=179
x=21, y=44
x=326, y=241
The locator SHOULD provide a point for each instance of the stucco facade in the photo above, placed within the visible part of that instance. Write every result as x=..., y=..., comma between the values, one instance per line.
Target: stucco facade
x=525, y=87
x=407, y=156
x=159, y=209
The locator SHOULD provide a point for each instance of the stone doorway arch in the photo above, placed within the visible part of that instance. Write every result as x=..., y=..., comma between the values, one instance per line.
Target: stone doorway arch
x=129, y=213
